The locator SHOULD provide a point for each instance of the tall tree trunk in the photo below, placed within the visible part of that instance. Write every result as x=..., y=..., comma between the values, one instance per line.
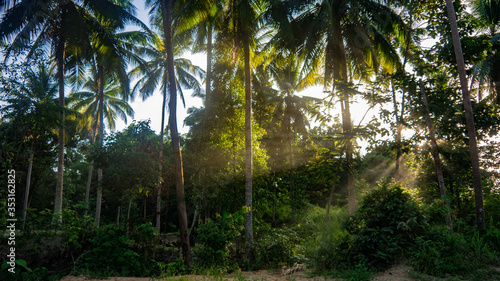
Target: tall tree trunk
x=290, y=147
x=91, y=171
x=100, y=77
x=28, y=183
x=167, y=10
x=248, y=150
x=469, y=117
x=160, y=155
x=60, y=57
x=435, y=155
x=332, y=191
x=208, y=89
x=398, y=135
x=340, y=75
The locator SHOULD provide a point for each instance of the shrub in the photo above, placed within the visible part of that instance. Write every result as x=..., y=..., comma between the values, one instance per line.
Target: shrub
x=216, y=237
x=385, y=226
x=277, y=247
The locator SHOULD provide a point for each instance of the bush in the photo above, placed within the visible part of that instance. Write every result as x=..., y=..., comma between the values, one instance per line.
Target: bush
x=110, y=254
x=385, y=226
x=277, y=247
x=216, y=237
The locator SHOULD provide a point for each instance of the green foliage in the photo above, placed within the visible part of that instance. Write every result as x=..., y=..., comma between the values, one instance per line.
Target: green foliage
x=216, y=237
x=111, y=254
x=24, y=273
x=277, y=247
x=385, y=226
x=440, y=252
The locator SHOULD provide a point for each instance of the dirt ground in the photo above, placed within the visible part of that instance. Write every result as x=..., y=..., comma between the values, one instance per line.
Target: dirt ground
x=396, y=273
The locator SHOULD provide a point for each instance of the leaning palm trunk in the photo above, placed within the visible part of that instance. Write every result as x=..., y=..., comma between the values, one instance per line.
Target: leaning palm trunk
x=166, y=11
x=469, y=117
x=60, y=54
x=437, y=160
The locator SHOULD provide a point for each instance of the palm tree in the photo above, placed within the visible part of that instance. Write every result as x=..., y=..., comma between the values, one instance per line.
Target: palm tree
x=290, y=111
x=469, y=118
x=88, y=102
x=348, y=36
x=34, y=108
x=154, y=73
x=61, y=24
x=488, y=13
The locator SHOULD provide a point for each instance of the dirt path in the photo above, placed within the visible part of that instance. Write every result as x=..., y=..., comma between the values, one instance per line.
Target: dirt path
x=396, y=273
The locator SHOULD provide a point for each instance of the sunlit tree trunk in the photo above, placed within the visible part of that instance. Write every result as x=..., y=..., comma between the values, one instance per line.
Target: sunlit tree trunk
x=469, y=117
x=248, y=150
x=435, y=155
x=167, y=10
x=208, y=89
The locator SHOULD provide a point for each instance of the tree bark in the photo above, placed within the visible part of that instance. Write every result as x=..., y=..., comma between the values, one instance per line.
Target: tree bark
x=91, y=169
x=167, y=10
x=469, y=117
x=160, y=155
x=435, y=154
x=60, y=57
x=248, y=150
x=208, y=90
x=340, y=75
x=100, y=77
x=28, y=183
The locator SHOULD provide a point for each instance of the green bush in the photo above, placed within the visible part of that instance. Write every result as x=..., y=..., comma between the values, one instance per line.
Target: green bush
x=385, y=226
x=277, y=247
x=216, y=237
x=111, y=254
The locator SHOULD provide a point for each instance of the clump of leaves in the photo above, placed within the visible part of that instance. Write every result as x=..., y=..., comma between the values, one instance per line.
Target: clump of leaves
x=383, y=229
x=277, y=247
x=216, y=237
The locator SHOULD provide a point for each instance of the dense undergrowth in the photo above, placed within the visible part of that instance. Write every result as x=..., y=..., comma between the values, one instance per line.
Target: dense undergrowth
x=390, y=226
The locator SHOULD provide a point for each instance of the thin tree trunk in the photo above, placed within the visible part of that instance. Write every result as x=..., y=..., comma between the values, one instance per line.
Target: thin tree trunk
x=91, y=170
x=469, y=117
x=128, y=213
x=292, y=196
x=160, y=156
x=497, y=87
x=167, y=10
x=332, y=191
x=100, y=77
x=248, y=151
x=435, y=154
x=60, y=57
x=340, y=75
x=28, y=183
x=398, y=135
x=118, y=216
x=208, y=90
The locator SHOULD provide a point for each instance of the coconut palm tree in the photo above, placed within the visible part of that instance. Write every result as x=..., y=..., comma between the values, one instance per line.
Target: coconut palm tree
x=62, y=25
x=469, y=118
x=153, y=74
x=290, y=113
x=348, y=37
x=488, y=13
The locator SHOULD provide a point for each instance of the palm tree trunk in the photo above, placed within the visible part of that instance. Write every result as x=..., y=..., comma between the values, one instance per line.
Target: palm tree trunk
x=340, y=75
x=91, y=172
x=435, y=154
x=160, y=156
x=208, y=90
x=469, y=117
x=167, y=10
x=28, y=182
x=100, y=77
x=248, y=150
x=292, y=197
x=60, y=57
